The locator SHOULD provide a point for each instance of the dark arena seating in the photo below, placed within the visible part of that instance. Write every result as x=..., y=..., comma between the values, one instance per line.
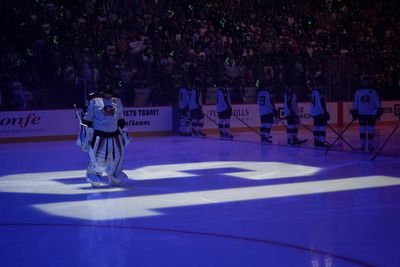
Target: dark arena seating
x=53, y=53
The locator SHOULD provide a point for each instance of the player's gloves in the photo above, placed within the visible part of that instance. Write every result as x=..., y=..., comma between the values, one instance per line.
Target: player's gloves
x=327, y=116
x=297, y=119
x=275, y=113
x=230, y=111
x=379, y=113
x=354, y=114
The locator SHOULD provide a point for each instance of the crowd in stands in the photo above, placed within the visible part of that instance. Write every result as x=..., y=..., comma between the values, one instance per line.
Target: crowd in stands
x=54, y=52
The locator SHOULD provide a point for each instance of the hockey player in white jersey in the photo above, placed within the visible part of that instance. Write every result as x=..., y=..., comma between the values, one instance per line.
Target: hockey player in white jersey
x=105, y=123
x=319, y=113
x=224, y=109
x=367, y=109
x=267, y=109
x=184, y=115
x=291, y=114
x=196, y=111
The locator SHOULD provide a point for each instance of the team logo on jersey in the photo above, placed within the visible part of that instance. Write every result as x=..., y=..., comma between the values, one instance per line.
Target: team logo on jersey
x=108, y=110
x=365, y=99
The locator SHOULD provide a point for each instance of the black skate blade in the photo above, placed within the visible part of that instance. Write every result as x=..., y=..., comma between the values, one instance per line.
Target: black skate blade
x=199, y=136
x=301, y=142
x=226, y=138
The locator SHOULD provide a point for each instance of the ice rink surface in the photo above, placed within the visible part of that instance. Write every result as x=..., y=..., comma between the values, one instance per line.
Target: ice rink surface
x=204, y=202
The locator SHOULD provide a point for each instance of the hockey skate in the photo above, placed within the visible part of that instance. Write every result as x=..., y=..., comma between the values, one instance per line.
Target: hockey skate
x=94, y=179
x=266, y=140
x=117, y=178
x=194, y=133
x=185, y=134
x=371, y=147
x=295, y=141
x=201, y=134
x=299, y=142
x=363, y=146
x=318, y=143
x=228, y=136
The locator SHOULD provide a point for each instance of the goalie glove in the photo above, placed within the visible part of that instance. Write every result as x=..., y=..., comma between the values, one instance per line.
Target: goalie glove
x=85, y=137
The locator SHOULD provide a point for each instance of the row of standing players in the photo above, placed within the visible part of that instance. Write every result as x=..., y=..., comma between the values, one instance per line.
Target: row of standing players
x=191, y=116
x=103, y=136
x=366, y=109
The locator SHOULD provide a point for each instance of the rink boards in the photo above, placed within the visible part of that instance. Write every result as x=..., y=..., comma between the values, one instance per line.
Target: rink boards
x=63, y=124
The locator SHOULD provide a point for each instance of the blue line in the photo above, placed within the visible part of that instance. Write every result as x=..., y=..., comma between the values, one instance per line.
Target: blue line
x=249, y=239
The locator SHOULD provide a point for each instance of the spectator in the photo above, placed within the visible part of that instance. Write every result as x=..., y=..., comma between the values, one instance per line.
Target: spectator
x=157, y=41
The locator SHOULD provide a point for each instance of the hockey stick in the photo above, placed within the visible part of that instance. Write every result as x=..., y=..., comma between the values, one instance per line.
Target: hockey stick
x=205, y=115
x=311, y=131
x=251, y=128
x=387, y=140
x=308, y=128
x=302, y=141
x=125, y=136
x=208, y=117
x=77, y=114
x=90, y=149
x=283, y=123
x=339, y=136
x=286, y=126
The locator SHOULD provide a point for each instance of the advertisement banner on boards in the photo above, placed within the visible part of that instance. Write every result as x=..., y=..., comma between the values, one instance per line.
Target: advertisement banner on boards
x=38, y=123
x=64, y=122
x=250, y=114
x=148, y=119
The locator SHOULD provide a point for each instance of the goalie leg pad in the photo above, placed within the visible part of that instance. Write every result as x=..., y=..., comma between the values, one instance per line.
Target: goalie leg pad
x=111, y=155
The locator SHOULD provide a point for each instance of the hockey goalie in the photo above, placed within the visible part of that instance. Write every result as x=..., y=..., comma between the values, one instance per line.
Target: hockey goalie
x=103, y=136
